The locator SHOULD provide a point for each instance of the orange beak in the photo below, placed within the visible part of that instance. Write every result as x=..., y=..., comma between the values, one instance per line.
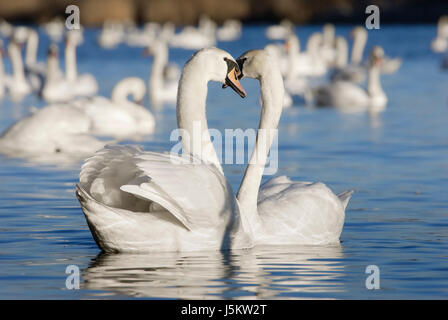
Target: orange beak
x=233, y=82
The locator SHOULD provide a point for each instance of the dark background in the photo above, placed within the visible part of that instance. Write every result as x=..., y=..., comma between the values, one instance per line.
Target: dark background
x=94, y=12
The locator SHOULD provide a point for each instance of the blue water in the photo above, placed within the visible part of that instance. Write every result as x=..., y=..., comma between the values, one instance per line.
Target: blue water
x=397, y=219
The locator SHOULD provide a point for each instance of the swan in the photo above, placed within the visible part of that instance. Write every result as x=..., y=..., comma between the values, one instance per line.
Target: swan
x=230, y=31
x=2, y=71
x=281, y=211
x=349, y=97
x=17, y=84
x=440, y=43
x=327, y=50
x=162, y=89
x=111, y=35
x=119, y=117
x=53, y=130
x=84, y=84
x=355, y=71
x=308, y=63
x=280, y=31
x=56, y=88
x=195, y=38
x=137, y=201
x=55, y=29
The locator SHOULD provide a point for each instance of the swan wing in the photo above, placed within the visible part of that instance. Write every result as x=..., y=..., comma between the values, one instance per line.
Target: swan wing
x=196, y=194
x=301, y=212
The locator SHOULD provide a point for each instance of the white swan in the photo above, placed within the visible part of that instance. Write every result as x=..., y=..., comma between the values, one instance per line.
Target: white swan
x=84, y=84
x=283, y=211
x=349, y=97
x=17, y=84
x=307, y=63
x=230, y=31
x=145, y=201
x=354, y=72
x=2, y=71
x=280, y=31
x=56, y=88
x=196, y=38
x=440, y=43
x=112, y=34
x=162, y=89
x=119, y=117
x=54, y=130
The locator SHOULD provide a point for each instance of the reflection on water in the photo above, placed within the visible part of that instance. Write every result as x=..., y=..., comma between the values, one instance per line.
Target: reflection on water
x=261, y=273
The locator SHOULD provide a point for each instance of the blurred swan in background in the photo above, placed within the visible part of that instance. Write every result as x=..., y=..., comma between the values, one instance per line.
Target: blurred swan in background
x=196, y=38
x=327, y=49
x=17, y=84
x=280, y=31
x=163, y=80
x=52, y=130
x=144, y=201
x=354, y=72
x=56, y=88
x=282, y=211
x=230, y=30
x=440, y=43
x=84, y=84
x=112, y=34
x=308, y=63
x=55, y=29
x=119, y=117
x=2, y=71
x=348, y=96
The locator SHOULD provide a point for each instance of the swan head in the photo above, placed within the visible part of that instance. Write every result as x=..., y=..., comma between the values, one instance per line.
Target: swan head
x=256, y=64
x=376, y=56
x=217, y=65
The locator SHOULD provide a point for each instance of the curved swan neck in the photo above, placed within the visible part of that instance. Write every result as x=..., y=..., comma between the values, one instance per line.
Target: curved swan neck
x=272, y=91
x=70, y=62
x=130, y=86
x=191, y=113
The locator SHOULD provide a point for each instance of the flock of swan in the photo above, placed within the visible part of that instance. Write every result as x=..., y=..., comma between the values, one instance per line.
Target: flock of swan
x=142, y=201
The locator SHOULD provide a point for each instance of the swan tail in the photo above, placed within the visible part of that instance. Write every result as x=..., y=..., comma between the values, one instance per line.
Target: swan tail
x=345, y=196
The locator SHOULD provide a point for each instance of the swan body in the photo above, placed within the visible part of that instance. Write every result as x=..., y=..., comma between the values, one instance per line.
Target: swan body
x=349, y=97
x=280, y=31
x=230, y=31
x=119, y=117
x=52, y=130
x=138, y=201
x=111, y=35
x=281, y=211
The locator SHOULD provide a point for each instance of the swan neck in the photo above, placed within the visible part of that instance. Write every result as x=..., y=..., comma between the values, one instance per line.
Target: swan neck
x=191, y=115
x=52, y=69
x=17, y=64
x=156, y=79
x=272, y=91
x=374, y=84
x=358, y=49
x=31, y=49
x=70, y=63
